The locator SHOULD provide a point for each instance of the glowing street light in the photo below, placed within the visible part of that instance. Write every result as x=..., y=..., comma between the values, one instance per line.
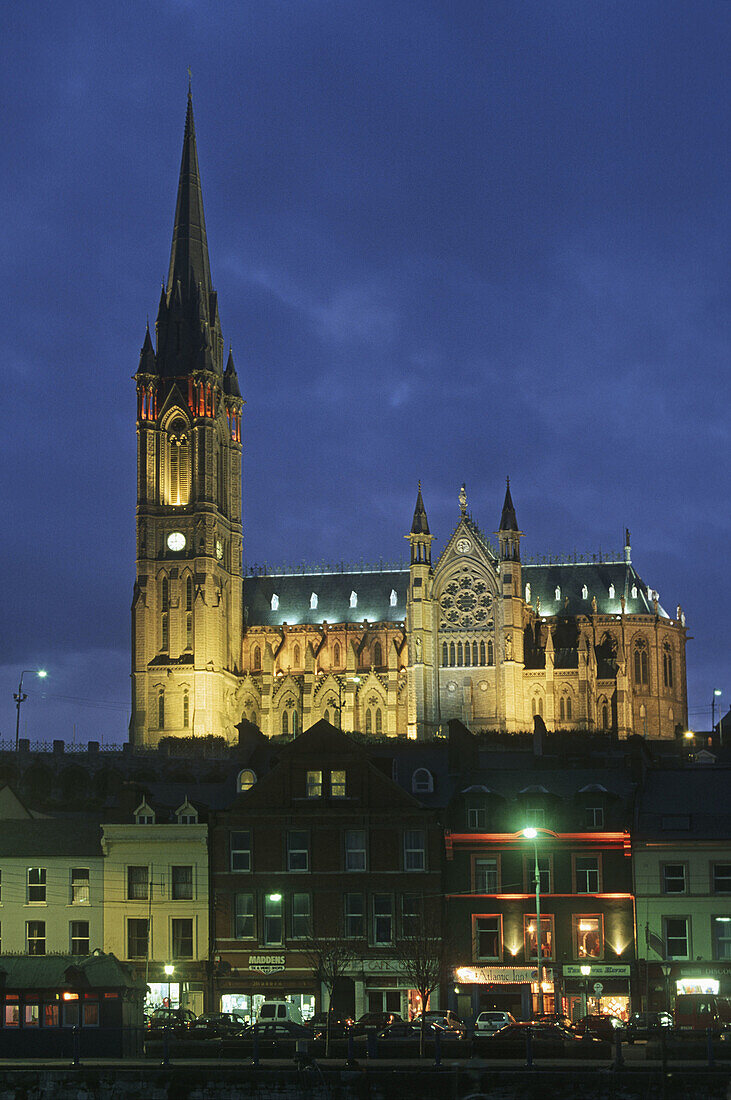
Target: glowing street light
x=530, y=833
x=717, y=693
x=22, y=696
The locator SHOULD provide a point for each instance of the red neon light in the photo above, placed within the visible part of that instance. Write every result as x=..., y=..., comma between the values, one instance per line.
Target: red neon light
x=511, y=838
x=528, y=897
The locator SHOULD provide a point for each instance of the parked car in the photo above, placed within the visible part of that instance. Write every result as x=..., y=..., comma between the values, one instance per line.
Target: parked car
x=699, y=1011
x=279, y=1010
x=547, y=1038
x=273, y=1033
x=601, y=1027
x=339, y=1025
x=375, y=1021
x=403, y=1030
x=555, y=1018
x=492, y=1020
x=175, y=1019
x=648, y=1025
x=216, y=1025
x=446, y=1019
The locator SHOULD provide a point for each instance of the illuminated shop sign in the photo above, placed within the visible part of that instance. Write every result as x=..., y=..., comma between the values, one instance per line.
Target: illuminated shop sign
x=266, y=964
x=596, y=970
x=496, y=975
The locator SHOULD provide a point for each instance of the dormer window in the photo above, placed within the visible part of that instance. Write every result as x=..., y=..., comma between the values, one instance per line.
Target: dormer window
x=186, y=814
x=634, y=591
x=557, y=593
x=527, y=593
x=246, y=780
x=313, y=601
x=144, y=814
x=611, y=591
x=275, y=602
x=353, y=599
x=422, y=781
x=585, y=593
x=393, y=599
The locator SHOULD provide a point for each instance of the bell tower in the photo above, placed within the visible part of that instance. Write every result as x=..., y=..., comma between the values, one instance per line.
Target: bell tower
x=186, y=608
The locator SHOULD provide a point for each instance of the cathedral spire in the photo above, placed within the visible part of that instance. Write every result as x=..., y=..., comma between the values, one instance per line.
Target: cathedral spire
x=508, y=520
x=420, y=525
x=189, y=263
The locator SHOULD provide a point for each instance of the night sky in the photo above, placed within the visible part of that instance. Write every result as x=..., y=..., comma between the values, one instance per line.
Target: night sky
x=451, y=241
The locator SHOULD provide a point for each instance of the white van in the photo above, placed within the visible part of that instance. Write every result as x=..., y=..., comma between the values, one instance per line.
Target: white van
x=274, y=1011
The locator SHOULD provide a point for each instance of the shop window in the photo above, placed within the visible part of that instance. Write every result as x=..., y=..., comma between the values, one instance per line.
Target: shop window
x=79, y=937
x=298, y=850
x=314, y=784
x=530, y=937
x=50, y=1015
x=588, y=937
x=273, y=919
x=476, y=817
x=673, y=878
x=301, y=926
x=12, y=1014
x=243, y=916
x=722, y=938
x=137, y=883
x=354, y=916
x=594, y=817
x=486, y=937
x=32, y=1015
x=486, y=876
x=355, y=850
x=35, y=934
x=182, y=883
x=79, y=885
x=410, y=915
x=414, y=850
x=337, y=784
x=677, y=941
x=36, y=885
x=182, y=929
x=382, y=919
x=136, y=938
x=240, y=848
x=586, y=874
x=722, y=878
x=90, y=1013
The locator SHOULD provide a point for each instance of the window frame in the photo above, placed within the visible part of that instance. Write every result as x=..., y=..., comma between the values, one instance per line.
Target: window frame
x=176, y=938
x=36, y=939
x=412, y=851
x=546, y=918
x=714, y=878
x=350, y=915
x=473, y=818
x=725, y=921
x=295, y=852
x=482, y=857
x=313, y=785
x=148, y=930
x=576, y=919
x=41, y=885
x=575, y=857
x=596, y=812
x=238, y=916
x=376, y=916
x=663, y=879
x=79, y=939
x=666, y=939
x=338, y=787
x=350, y=851
x=79, y=885
x=236, y=851
x=138, y=867
x=476, y=932
x=304, y=932
x=276, y=914
x=175, y=886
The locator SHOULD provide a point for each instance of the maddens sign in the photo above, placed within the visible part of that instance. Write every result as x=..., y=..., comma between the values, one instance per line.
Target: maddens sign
x=266, y=964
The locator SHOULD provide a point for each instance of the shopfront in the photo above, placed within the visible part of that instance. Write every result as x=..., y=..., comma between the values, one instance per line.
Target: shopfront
x=268, y=977
x=596, y=989
x=506, y=988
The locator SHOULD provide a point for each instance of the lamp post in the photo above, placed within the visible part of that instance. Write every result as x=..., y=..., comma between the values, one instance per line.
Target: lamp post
x=585, y=972
x=716, y=695
x=666, y=968
x=22, y=696
x=169, y=971
x=532, y=834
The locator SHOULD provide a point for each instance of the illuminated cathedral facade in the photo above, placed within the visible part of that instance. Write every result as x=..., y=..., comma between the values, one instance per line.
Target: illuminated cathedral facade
x=477, y=634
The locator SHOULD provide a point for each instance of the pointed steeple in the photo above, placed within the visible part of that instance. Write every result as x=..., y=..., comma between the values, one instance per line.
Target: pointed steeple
x=420, y=525
x=189, y=263
x=508, y=520
x=148, y=364
x=230, y=378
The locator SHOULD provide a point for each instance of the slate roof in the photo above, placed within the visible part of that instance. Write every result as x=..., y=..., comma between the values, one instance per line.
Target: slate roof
x=333, y=591
x=50, y=972
x=50, y=837
x=686, y=803
x=597, y=576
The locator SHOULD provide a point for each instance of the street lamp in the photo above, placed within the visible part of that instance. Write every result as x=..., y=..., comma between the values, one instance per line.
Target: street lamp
x=717, y=693
x=666, y=968
x=169, y=971
x=585, y=972
x=531, y=833
x=22, y=696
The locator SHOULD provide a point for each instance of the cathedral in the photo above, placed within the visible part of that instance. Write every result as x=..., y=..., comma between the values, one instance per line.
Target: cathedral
x=477, y=634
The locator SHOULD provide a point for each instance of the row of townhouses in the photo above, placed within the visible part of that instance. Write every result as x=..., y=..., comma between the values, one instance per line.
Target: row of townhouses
x=216, y=879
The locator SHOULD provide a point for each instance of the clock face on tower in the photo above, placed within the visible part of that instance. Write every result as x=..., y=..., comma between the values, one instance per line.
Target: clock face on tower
x=176, y=540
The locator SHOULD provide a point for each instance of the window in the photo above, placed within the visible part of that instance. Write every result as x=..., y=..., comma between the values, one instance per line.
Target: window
x=182, y=937
x=722, y=878
x=673, y=878
x=144, y=815
x=32, y=1016
x=568, y=706
x=182, y=883
x=544, y=871
x=186, y=710
x=36, y=885
x=587, y=874
x=410, y=915
x=379, y=721
x=382, y=918
x=164, y=633
x=91, y=1014
x=273, y=919
x=301, y=927
x=337, y=784
x=584, y=593
x=314, y=784
x=594, y=817
x=257, y=659
x=490, y=652
x=611, y=592
x=354, y=916
x=476, y=817
x=452, y=655
x=240, y=848
x=721, y=937
x=137, y=883
x=36, y=937
x=486, y=876
x=79, y=935
x=178, y=462
x=486, y=937
x=336, y=655
x=247, y=779
x=243, y=916
x=355, y=850
x=530, y=938
x=79, y=885
x=275, y=602
x=50, y=1015
x=189, y=594
x=557, y=593
x=414, y=850
x=136, y=938
x=161, y=708
x=187, y=815
x=296, y=656
x=422, y=782
x=445, y=655
x=285, y=723
x=393, y=598
x=676, y=937
x=313, y=601
x=588, y=937
x=353, y=599
x=298, y=851
x=667, y=666
x=527, y=593
x=377, y=655
x=535, y=815
x=641, y=663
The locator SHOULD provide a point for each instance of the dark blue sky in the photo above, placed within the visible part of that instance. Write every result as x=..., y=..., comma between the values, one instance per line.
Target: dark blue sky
x=451, y=240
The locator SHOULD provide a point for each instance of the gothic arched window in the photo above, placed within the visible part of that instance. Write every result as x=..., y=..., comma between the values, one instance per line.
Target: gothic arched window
x=369, y=721
x=257, y=659
x=326, y=715
x=568, y=706
x=177, y=446
x=336, y=655
x=490, y=653
x=482, y=654
x=452, y=654
x=605, y=716
x=377, y=655
x=467, y=652
x=379, y=720
x=562, y=708
x=285, y=723
x=459, y=654
x=475, y=658
x=161, y=709
x=295, y=723
x=186, y=710
x=165, y=632
x=188, y=631
x=641, y=663
x=445, y=655
x=667, y=666
x=296, y=657
x=189, y=594
x=164, y=594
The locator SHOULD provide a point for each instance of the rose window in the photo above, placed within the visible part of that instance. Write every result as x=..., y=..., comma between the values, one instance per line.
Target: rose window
x=466, y=603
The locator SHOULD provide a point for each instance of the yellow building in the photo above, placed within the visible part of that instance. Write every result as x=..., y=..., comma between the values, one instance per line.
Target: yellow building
x=156, y=902
x=479, y=635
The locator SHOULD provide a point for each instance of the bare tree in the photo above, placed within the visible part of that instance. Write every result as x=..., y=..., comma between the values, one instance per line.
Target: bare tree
x=422, y=952
x=331, y=957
